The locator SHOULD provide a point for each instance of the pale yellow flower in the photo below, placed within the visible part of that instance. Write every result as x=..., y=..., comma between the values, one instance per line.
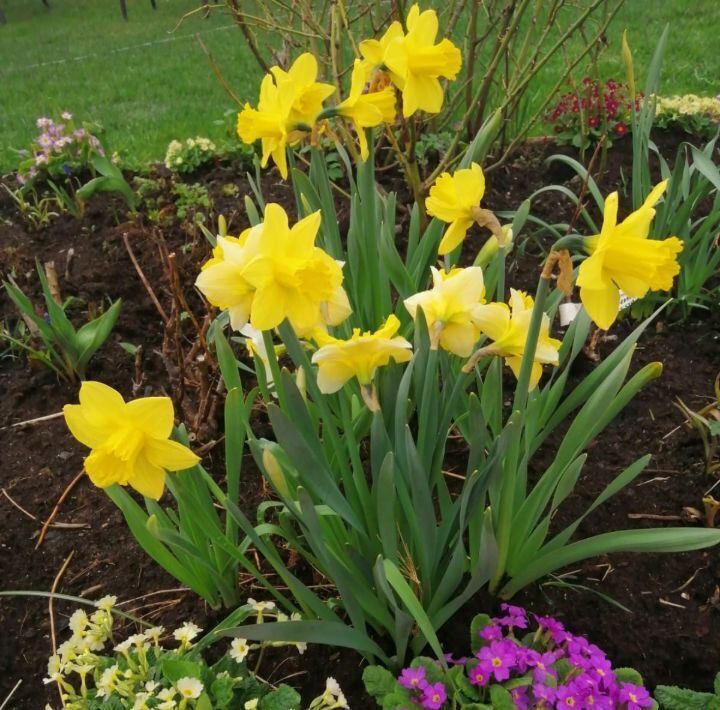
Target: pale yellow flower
x=507, y=326
x=449, y=308
x=360, y=356
x=189, y=688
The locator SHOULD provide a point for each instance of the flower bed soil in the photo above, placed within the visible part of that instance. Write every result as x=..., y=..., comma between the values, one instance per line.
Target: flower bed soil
x=671, y=634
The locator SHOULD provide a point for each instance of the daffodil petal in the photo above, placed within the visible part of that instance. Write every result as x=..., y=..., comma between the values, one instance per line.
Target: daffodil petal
x=147, y=479
x=154, y=416
x=170, y=455
x=459, y=339
x=84, y=430
x=454, y=236
x=601, y=304
x=100, y=404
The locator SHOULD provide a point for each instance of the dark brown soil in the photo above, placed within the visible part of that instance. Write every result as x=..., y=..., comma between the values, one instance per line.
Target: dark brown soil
x=671, y=634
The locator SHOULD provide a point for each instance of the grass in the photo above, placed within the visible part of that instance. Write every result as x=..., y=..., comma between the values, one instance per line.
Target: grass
x=142, y=84
x=146, y=86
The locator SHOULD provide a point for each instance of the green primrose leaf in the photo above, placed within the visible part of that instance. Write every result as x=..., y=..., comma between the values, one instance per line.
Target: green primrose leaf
x=282, y=698
x=476, y=626
x=501, y=698
x=379, y=682
x=175, y=668
x=628, y=675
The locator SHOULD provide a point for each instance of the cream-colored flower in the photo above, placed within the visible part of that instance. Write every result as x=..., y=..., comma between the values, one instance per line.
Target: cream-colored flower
x=189, y=688
x=239, y=649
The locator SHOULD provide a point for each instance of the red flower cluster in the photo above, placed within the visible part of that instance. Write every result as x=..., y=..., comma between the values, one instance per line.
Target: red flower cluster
x=593, y=110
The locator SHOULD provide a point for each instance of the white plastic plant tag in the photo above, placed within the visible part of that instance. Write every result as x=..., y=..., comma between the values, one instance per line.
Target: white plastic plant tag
x=626, y=301
x=568, y=312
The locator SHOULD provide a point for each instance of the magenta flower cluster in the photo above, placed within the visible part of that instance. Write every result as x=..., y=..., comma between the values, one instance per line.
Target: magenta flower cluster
x=597, y=107
x=60, y=148
x=510, y=649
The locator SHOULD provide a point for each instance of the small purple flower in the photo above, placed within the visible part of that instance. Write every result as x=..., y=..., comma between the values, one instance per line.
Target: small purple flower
x=480, y=674
x=21, y=179
x=43, y=122
x=455, y=661
x=635, y=696
x=543, y=667
x=520, y=697
x=513, y=610
x=569, y=696
x=601, y=669
x=577, y=645
x=500, y=655
x=434, y=696
x=556, y=629
x=524, y=658
x=413, y=678
x=543, y=693
x=492, y=632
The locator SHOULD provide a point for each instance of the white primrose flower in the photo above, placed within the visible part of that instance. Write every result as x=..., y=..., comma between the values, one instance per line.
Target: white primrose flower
x=186, y=633
x=189, y=688
x=106, y=603
x=239, y=649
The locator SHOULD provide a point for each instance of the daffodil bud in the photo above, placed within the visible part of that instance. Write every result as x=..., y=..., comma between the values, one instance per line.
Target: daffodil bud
x=629, y=66
x=152, y=525
x=487, y=253
x=222, y=226
x=275, y=473
x=301, y=382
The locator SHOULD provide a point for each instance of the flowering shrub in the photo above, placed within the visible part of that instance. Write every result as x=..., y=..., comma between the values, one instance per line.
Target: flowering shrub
x=188, y=156
x=143, y=672
x=62, y=149
x=697, y=115
x=517, y=661
x=596, y=110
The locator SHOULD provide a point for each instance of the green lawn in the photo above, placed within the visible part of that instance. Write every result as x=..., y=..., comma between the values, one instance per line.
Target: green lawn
x=147, y=85
x=144, y=84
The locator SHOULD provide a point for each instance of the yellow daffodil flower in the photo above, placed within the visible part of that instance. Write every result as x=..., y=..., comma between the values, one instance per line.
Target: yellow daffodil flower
x=269, y=122
x=508, y=328
x=275, y=272
x=289, y=103
x=221, y=279
x=292, y=277
x=130, y=441
x=360, y=356
x=373, y=51
x=308, y=93
x=366, y=110
x=416, y=63
x=449, y=308
x=622, y=257
x=456, y=199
